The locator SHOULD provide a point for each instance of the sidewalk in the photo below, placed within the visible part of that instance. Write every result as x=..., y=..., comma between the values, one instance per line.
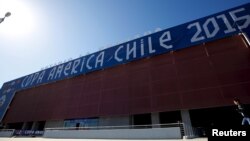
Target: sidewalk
x=49, y=139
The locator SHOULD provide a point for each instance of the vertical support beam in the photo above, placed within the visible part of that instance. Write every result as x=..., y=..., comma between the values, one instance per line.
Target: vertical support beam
x=155, y=119
x=132, y=120
x=34, y=125
x=5, y=126
x=188, y=129
x=24, y=126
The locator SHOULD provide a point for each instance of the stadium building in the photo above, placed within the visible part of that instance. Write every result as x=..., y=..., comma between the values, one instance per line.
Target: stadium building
x=185, y=76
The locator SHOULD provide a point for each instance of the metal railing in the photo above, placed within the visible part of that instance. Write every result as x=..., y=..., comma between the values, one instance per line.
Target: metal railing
x=169, y=125
x=120, y=127
x=6, y=130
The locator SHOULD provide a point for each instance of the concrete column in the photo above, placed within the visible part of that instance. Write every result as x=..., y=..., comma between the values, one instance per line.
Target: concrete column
x=6, y=126
x=131, y=120
x=24, y=126
x=34, y=125
x=155, y=119
x=188, y=129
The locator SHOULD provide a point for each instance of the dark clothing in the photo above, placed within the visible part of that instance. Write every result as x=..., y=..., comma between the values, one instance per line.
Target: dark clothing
x=242, y=111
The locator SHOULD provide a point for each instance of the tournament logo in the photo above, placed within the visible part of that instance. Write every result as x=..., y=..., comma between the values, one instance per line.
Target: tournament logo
x=2, y=100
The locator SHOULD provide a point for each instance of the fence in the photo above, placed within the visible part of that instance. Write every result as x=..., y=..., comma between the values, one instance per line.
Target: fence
x=155, y=131
x=6, y=132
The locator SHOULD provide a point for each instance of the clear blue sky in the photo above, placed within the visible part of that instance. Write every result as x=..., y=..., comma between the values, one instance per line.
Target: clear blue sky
x=55, y=30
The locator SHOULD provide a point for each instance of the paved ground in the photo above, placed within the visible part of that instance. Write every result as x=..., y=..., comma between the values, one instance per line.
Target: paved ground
x=47, y=139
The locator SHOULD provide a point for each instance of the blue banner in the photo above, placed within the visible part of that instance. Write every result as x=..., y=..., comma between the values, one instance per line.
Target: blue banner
x=28, y=133
x=217, y=26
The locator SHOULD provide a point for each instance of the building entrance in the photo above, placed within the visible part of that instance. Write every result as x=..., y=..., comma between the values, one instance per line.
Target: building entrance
x=202, y=119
